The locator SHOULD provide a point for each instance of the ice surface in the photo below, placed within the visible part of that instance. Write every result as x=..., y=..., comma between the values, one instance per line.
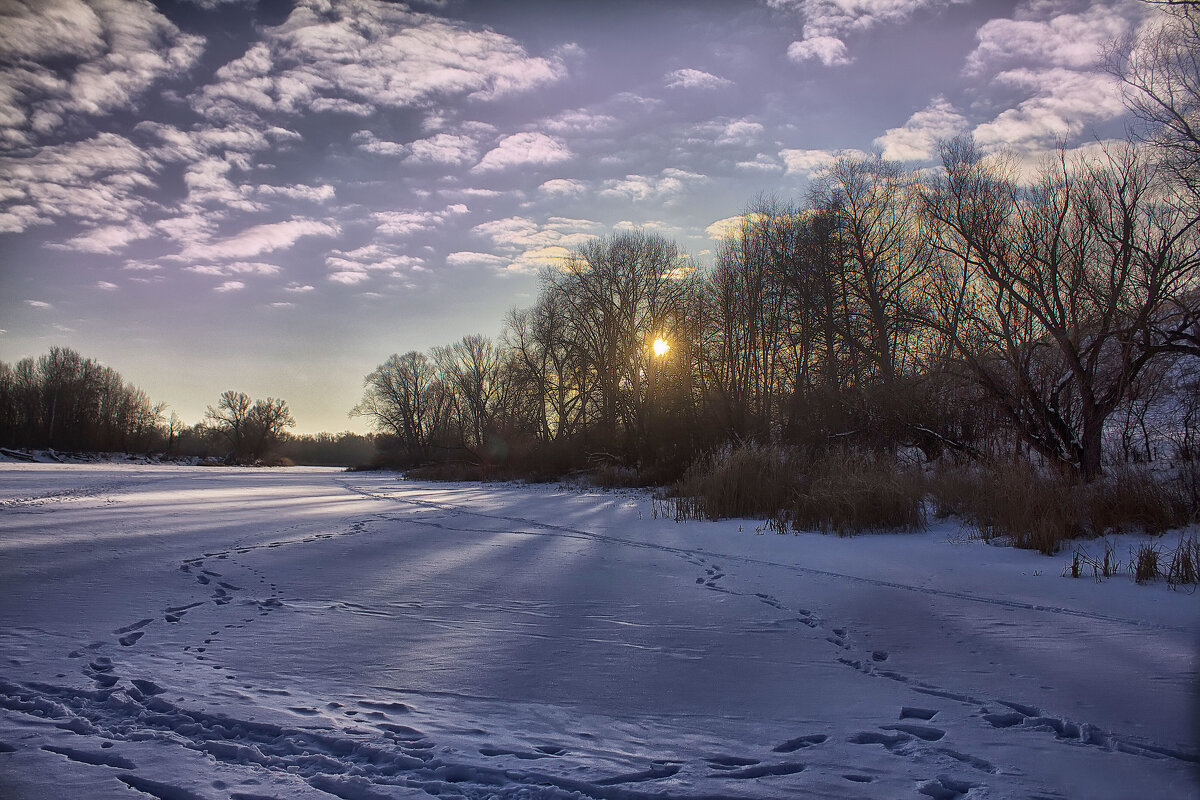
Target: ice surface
x=181, y=632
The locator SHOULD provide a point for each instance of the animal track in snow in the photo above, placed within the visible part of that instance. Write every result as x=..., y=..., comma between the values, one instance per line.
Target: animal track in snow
x=792, y=745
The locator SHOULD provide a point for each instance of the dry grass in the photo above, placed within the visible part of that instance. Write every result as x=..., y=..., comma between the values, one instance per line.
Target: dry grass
x=842, y=491
x=1017, y=503
x=848, y=491
x=1144, y=563
x=749, y=481
x=1184, y=569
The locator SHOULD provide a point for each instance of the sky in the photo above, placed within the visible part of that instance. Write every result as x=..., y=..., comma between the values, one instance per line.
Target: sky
x=272, y=197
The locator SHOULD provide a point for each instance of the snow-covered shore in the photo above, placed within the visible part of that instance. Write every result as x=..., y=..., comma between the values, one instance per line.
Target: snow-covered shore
x=182, y=632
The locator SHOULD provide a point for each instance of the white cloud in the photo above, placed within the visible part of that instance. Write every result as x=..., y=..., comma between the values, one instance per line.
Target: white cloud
x=106, y=286
x=98, y=180
x=355, y=55
x=562, y=187
x=579, y=121
x=1052, y=62
x=808, y=162
x=71, y=57
x=444, y=148
x=141, y=266
x=695, y=79
x=666, y=187
x=827, y=22
x=299, y=288
x=524, y=149
x=916, y=139
x=1063, y=102
x=529, y=246
x=724, y=228
x=829, y=50
x=406, y=223
x=761, y=163
x=38, y=304
x=230, y=286
x=1075, y=41
x=235, y=268
x=208, y=183
x=470, y=258
x=725, y=131
x=349, y=277
x=107, y=239
x=314, y=194
x=373, y=258
x=258, y=239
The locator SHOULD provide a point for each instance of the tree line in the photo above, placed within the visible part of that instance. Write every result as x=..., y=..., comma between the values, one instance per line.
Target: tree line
x=65, y=402
x=967, y=309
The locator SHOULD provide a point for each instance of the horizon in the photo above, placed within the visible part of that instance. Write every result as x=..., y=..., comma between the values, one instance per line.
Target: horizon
x=211, y=195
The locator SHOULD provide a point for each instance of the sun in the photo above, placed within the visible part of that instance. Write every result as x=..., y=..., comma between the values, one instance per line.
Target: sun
x=661, y=347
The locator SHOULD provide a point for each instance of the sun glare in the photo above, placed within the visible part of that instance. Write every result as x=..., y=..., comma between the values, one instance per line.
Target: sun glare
x=661, y=347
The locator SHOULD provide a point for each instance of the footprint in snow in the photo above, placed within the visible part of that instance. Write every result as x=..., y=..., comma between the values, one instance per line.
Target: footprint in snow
x=945, y=788
x=800, y=742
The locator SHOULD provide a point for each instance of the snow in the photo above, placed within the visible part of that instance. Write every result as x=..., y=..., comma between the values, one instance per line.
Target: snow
x=182, y=632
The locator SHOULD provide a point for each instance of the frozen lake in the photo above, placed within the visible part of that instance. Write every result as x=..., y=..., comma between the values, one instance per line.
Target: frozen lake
x=305, y=633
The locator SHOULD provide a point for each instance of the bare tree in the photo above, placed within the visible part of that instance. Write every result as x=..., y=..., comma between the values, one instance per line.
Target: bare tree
x=618, y=295
x=230, y=419
x=876, y=204
x=1160, y=71
x=1049, y=294
x=267, y=424
x=396, y=400
x=470, y=368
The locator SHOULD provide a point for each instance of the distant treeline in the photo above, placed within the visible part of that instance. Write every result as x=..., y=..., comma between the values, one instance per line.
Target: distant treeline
x=966, y=311
x=66, y=402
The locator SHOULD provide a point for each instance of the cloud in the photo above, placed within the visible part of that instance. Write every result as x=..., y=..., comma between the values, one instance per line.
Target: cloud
x=356, y=55
x=299, y=288
x=406, y=223
x=808, y=162
x=1075, y=41
x=529, y=246
x=1054, y=65
x=1062, y=102
x=258, y=239
x=524, y=149
x=829, y=50
x=313, y=194
x=72, y=57
x=97, y=180
x=579, y=121
x=470, y=258
x=107, y=239
x=208, y=183
x=761, y=163
x=38, y=304
x=725, y=228
x=916, y=139
x=106, y=286
x=695, y=79
x=562, y=187
x=666, y=187
x=348, y=277
x=230, y=286
x=351, y=267
x=740, y=132
x=235, y=268
x=826, y=23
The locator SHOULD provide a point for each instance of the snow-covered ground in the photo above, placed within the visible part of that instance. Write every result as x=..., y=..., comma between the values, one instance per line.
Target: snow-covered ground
x=184, y=633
